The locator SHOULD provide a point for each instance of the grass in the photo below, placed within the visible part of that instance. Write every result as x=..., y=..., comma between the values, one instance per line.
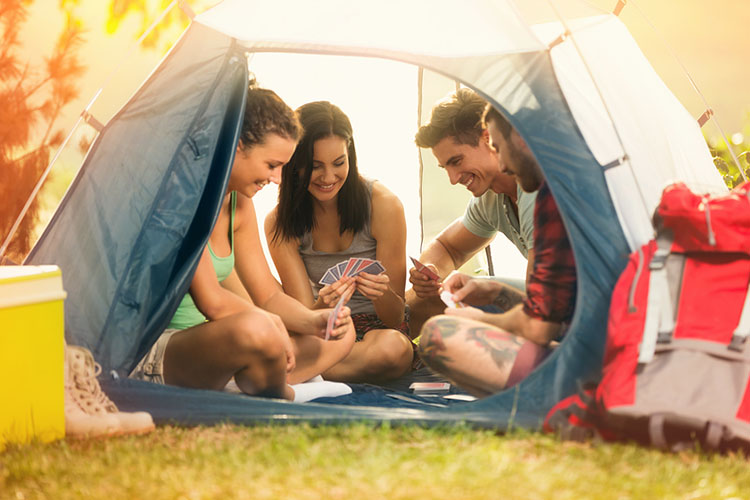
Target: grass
x=361, y=462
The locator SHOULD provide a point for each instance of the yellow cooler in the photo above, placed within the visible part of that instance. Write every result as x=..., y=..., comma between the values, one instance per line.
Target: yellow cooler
x=31, y=354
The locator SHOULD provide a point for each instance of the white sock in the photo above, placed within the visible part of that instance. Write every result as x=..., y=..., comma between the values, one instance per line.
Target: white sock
x=310, y=390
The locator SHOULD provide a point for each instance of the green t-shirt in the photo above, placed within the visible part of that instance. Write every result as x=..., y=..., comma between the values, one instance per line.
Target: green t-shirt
x=491, y=213
x=187, y=313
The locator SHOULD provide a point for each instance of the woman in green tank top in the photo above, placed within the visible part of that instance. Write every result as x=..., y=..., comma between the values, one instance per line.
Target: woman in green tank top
x=236, y=322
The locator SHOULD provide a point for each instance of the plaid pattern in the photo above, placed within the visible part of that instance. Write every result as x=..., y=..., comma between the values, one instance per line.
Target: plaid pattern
x=364, y=322
x=551, y=290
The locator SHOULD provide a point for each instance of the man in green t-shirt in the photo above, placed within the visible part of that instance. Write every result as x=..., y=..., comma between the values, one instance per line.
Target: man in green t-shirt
x=462, y=147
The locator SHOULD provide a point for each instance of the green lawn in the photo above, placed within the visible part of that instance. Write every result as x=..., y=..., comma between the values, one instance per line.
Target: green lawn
x=361, y=462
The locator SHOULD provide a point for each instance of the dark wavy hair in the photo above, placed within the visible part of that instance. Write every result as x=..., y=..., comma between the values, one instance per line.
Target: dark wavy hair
x=266, y=113
x=459, y=116
x=294, y=212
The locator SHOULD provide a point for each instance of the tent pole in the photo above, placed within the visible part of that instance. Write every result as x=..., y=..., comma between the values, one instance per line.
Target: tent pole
x=420, y=84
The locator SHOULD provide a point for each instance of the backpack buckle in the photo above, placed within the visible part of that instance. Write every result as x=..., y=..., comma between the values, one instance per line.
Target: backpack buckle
x=737, y=343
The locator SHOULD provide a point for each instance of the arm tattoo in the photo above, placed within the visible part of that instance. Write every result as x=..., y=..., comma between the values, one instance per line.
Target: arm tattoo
x=508, y=297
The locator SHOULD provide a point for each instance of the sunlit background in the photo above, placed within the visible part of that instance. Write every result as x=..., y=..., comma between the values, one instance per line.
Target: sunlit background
x=709, y=38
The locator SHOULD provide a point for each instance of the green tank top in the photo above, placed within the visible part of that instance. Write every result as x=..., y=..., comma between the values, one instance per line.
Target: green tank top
x=187, y=313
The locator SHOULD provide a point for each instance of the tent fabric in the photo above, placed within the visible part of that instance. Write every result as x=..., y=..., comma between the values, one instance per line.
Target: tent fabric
x=135, y=249
x=133, y=224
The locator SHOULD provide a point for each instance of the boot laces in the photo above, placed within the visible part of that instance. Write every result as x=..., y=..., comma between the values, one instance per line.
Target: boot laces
x=85, y=370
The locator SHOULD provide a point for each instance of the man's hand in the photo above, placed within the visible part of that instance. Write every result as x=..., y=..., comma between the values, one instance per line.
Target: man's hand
x=422, y=285
x=472, y=291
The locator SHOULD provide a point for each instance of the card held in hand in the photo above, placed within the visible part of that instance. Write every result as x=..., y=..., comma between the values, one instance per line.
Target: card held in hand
x=424, y=269
x=332, y=317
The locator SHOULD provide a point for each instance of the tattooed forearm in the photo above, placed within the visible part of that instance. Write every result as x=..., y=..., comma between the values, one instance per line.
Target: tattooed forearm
x=508, y=297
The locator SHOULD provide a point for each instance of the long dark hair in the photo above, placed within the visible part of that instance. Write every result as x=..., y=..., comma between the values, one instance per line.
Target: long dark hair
x=294, y=212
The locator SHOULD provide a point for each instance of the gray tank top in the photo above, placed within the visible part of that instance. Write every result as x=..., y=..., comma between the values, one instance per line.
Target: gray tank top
x=363, y=246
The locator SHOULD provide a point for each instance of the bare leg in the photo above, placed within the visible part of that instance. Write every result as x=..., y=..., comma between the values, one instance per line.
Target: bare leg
x=471, y=354
x=420, y=310
x=381, y=355
x=248, y=346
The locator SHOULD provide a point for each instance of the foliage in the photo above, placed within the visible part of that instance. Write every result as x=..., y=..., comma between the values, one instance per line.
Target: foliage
x=174, y=22
x=725, y=163
x=361, y=461
x=31, y=100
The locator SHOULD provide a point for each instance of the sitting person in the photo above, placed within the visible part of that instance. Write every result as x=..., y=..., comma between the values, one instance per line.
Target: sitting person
x=483, y=352
x=328, y=213
x=232, y=325
x=462, y=147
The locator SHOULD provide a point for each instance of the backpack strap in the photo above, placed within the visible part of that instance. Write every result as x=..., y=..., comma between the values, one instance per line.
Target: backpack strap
x=659, y=321
x=741, y=333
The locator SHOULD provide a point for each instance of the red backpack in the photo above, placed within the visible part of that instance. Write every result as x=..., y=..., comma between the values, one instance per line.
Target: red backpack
x=677, y=360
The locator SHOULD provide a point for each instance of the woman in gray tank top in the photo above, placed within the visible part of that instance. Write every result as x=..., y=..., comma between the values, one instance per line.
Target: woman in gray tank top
x=328, y=213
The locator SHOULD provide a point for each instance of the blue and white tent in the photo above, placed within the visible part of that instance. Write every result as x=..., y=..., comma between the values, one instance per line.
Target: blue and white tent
x=607, y=132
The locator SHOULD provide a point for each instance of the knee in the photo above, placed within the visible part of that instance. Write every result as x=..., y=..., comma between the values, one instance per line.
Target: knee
x=431, y=339
x=256, y=334
x=393, y=352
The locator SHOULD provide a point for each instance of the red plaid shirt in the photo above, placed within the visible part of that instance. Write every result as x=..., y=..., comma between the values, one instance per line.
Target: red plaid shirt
x=551, y=289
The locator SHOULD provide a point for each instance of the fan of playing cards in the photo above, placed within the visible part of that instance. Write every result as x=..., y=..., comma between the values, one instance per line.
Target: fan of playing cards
x=351, y=267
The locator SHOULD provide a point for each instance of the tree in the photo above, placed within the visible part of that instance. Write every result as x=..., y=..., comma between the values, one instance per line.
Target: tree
x=173, y=23
x=31, y=101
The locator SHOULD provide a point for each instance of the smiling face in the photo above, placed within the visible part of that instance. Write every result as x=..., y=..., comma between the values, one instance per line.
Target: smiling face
x=330, y=167
x=474, y=167
x=516, y=158
x=255, y=167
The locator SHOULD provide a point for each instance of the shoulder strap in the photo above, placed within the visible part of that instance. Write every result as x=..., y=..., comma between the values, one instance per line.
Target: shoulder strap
x=233, y=203
x=659, y=313
x=741, y=333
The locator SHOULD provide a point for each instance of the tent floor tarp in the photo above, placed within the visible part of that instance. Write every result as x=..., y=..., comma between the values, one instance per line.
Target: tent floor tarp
x=392, y=402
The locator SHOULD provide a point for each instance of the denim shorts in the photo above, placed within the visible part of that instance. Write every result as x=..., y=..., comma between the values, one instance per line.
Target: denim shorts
x=151, y=367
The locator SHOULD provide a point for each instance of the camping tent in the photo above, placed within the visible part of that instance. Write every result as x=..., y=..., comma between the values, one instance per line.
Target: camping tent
x=606, y=131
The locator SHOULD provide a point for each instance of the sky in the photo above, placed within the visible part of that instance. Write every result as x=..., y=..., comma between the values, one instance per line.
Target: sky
x=710, y=39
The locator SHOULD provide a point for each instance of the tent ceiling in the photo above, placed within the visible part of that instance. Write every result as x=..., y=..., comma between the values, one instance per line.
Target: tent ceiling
x=436, y=28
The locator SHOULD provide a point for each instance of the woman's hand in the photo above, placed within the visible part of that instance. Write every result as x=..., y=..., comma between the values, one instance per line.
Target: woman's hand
x=473, y=291
x=341, y=326
x=373, y=286
x=329, y=295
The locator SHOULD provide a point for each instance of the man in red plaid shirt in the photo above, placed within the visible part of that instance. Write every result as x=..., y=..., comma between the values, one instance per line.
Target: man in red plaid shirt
x=487, y=352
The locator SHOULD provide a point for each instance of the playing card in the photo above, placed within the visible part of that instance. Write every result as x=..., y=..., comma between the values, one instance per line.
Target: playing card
x=424, y=269
x=332, y=317
x=349, y=266
x=335, y=272
x=327, y=278
x=430, y=387
x=374, y=268
x=363, y=263
x=447, y=298
x=340, y=268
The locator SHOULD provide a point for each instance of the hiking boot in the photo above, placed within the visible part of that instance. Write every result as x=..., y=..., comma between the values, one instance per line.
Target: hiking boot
x=91, y=398
x=78, y=422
